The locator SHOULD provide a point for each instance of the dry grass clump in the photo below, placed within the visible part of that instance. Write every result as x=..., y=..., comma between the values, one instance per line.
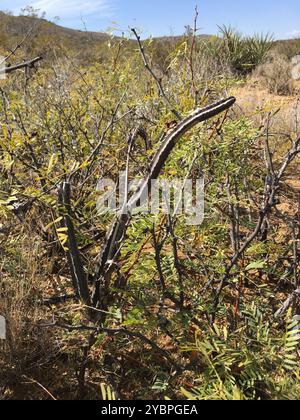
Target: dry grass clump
x=30, y=355
x=275, y=74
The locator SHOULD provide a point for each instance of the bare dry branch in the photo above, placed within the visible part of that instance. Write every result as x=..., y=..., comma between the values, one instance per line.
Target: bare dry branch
x=26, y=64
x=157, y=80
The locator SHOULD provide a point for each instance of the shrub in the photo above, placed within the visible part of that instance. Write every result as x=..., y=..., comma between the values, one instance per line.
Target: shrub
x=289, y=48
x=275, y=75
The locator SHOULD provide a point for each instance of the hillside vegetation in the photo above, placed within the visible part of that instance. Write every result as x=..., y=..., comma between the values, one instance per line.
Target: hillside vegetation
x=206, y=312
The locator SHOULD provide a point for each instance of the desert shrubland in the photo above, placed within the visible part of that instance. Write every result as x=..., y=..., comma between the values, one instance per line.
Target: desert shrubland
x=187, y=312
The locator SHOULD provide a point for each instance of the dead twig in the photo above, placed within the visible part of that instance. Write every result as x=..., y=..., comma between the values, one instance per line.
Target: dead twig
x=288, y=303
x=122, y=331
x=33, y=381
x=157, y=80
x=26, y=64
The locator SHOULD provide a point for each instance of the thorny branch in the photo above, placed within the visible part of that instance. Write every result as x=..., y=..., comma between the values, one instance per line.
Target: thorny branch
x=192, y=53
x=122, y=331
x=269, y=203
x=157, y=80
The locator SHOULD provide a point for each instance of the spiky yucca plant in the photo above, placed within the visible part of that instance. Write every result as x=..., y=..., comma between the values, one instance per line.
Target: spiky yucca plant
x=245, y=53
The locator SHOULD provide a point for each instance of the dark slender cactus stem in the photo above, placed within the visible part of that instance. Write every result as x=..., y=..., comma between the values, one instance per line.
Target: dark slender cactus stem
x=79, y=277
x=118, y=230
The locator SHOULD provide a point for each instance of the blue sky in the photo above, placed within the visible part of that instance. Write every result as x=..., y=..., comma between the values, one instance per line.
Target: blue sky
x=164, y=17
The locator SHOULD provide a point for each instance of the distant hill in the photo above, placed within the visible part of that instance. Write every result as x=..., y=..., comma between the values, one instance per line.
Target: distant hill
x=45, y=34
x=178, y=38
x=18, y=26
